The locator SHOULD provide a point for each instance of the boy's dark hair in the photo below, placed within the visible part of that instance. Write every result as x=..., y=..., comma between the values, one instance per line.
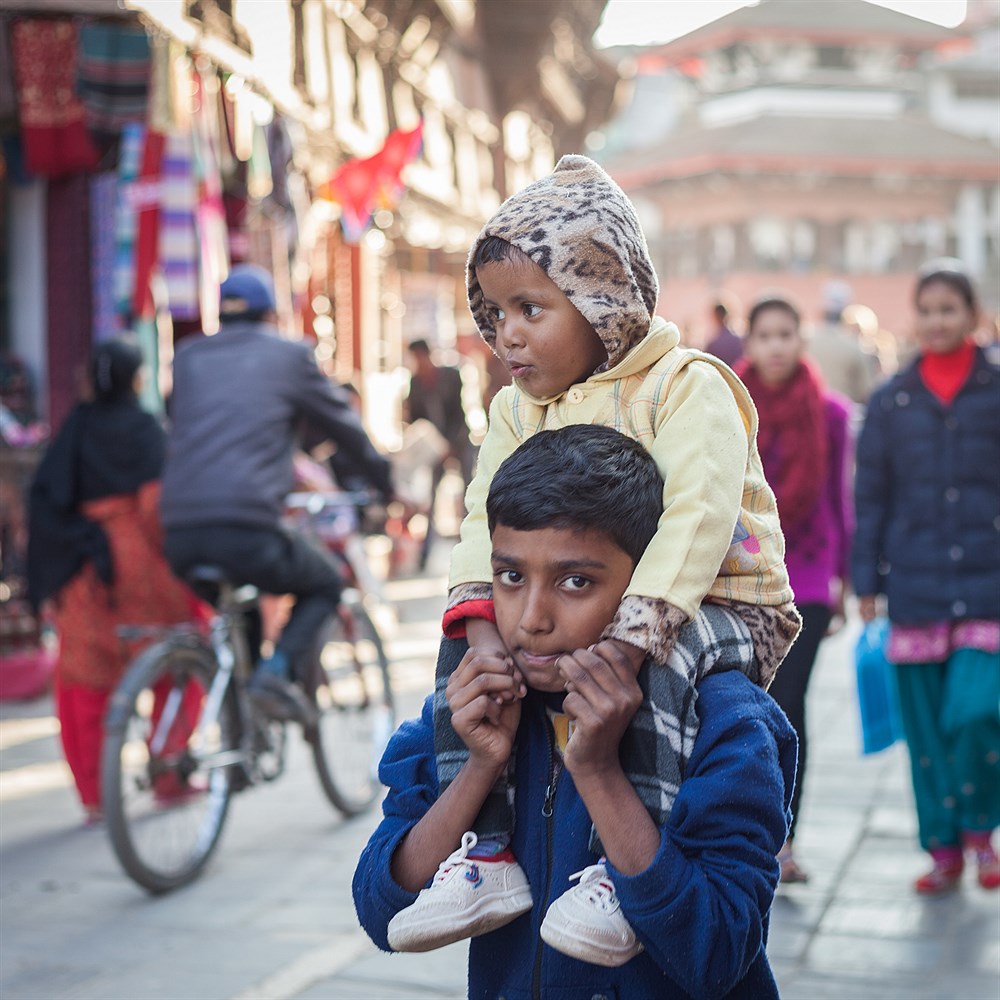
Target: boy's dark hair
x=772, y=300
x=578, y=477
x=496, y=250
x=948, y=271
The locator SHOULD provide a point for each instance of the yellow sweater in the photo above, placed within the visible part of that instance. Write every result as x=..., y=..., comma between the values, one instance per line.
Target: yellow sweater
x=719, y=535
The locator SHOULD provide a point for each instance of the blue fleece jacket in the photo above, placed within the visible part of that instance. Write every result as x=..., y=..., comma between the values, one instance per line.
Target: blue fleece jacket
x=700, y=909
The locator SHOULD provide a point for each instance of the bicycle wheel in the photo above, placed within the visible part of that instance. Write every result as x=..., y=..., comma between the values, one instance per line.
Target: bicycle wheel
x=167, y=764
x=357, y=712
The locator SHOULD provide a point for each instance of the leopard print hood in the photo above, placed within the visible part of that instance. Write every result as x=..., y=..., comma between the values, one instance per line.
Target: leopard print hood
x=579, y=226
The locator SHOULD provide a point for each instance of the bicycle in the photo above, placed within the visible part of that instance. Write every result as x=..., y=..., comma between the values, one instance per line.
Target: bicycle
x=182, y=734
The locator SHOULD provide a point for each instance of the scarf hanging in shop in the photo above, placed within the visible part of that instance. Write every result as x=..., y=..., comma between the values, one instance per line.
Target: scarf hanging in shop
x=211, y=217
x=68, y=304
x=178, y=238
x=792, y=440
x=103, y=198
x=53, y=129
x=8, y=92
x=146, y=202
x=129, y=161
x=113, y=74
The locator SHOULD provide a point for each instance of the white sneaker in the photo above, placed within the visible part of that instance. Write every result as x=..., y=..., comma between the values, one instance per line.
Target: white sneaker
x=586, y=922
x=466, y=898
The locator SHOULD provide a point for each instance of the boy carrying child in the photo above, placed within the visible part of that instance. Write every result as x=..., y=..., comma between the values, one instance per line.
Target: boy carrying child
x=562, y=288
x=570, y=514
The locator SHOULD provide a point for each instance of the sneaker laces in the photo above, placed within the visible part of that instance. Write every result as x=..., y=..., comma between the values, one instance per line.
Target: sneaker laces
x=459, y=857
x=597, y=887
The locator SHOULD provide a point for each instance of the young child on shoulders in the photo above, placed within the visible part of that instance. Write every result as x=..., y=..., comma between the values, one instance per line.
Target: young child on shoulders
x=562, y=288
x=694, y=888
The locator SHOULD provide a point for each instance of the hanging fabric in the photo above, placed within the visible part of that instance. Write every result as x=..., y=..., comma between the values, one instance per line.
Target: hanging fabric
x=8, y=92
x=113, y=74
x=129, y=161
x=146, y=203
x=178, y=239
x=53, y=130
x=211, y=216
x=67, y=252
x=103, y=197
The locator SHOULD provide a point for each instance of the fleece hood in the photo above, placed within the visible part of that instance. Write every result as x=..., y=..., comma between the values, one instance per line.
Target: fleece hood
x=581, y=229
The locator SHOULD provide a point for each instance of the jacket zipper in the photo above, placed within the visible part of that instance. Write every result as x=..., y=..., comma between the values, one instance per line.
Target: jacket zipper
x=548, y=804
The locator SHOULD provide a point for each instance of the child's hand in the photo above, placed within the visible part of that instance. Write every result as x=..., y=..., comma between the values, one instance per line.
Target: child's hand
x=484, y=637
x=484, y=695
x=602, y=695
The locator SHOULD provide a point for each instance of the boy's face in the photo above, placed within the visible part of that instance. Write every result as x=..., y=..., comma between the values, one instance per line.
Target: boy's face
x=542, y=337
x=554, y=591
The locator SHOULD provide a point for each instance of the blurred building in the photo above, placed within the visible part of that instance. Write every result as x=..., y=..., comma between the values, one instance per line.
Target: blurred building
x=795, y=142
x=148, y=144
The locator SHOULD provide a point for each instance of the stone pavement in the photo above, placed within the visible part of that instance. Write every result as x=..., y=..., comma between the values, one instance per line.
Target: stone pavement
x=272, y=917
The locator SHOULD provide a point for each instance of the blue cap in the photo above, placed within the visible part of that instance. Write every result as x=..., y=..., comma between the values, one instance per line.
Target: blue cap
x=248, y=289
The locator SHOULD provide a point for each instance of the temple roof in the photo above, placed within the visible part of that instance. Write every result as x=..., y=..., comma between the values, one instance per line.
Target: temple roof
x=830, y=145
x=846, y=20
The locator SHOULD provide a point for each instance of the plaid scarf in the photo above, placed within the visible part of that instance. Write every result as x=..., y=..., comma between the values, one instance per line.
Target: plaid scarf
x=658, y=742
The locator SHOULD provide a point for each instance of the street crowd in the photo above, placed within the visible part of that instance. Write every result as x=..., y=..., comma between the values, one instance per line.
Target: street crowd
x=605, y=784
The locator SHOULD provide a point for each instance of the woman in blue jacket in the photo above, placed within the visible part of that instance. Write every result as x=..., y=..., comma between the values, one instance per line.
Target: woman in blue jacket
x=927, y=495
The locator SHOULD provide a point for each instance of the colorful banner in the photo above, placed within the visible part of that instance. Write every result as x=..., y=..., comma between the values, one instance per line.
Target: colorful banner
x=361, y=187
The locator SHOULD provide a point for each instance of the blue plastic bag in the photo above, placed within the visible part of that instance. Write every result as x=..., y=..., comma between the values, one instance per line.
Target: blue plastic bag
x=878, y=698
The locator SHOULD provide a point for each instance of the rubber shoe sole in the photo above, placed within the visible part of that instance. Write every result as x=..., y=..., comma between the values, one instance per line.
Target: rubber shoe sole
x=413, y=933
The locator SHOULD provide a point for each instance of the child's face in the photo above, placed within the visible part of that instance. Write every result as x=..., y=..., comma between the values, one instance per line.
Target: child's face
x=542, y=337
x=554, y=591
x=774, y=345
x=944, y=318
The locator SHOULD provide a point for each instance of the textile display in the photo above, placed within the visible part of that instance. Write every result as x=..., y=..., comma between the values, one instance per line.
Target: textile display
x=178, y=238
x=362, y=186
x=53, y=128
x=210, y=215
x=113, y=74
x=878, y=698
x=8, y=92
x=67, y=251
x=103, y=198
x=146, y=204
x=129, y=161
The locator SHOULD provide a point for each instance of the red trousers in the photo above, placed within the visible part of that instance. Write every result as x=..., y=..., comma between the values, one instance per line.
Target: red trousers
x=81, y=720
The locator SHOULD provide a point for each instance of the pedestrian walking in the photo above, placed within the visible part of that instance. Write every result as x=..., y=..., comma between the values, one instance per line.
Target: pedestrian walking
x=845, y=365
x=94, y=550
x=928, y=538
x=804, y=444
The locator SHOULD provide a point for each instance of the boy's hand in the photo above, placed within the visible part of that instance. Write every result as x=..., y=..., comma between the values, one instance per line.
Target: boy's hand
x=602, y=695
x=484, y=695
x=484, y=637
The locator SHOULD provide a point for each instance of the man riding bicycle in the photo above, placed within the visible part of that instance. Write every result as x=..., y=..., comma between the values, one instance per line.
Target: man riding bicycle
x=239, y=400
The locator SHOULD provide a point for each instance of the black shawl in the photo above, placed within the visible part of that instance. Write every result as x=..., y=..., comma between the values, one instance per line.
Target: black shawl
x=103, y=449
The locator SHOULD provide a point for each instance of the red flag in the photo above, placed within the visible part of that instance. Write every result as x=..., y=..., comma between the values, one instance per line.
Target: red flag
x=361, y=186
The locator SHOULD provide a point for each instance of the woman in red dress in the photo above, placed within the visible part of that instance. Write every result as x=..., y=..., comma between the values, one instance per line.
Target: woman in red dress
x=94, y=550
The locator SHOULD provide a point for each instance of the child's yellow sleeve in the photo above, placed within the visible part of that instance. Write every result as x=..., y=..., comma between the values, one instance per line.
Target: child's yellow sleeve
x=470, y=559
x=701, y=447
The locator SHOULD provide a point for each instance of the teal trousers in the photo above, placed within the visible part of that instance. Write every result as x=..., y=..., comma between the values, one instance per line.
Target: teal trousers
x=951, y=717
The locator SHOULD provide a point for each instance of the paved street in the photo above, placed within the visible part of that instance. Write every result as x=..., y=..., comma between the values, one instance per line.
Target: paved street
x=273, y=918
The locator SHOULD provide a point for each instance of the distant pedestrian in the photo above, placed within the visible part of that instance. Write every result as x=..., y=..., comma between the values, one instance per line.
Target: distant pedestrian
x=805, y=446
x=436, y=395
x=927, y=498
x=94, y=549
x=725, y=344
x=844, y=364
